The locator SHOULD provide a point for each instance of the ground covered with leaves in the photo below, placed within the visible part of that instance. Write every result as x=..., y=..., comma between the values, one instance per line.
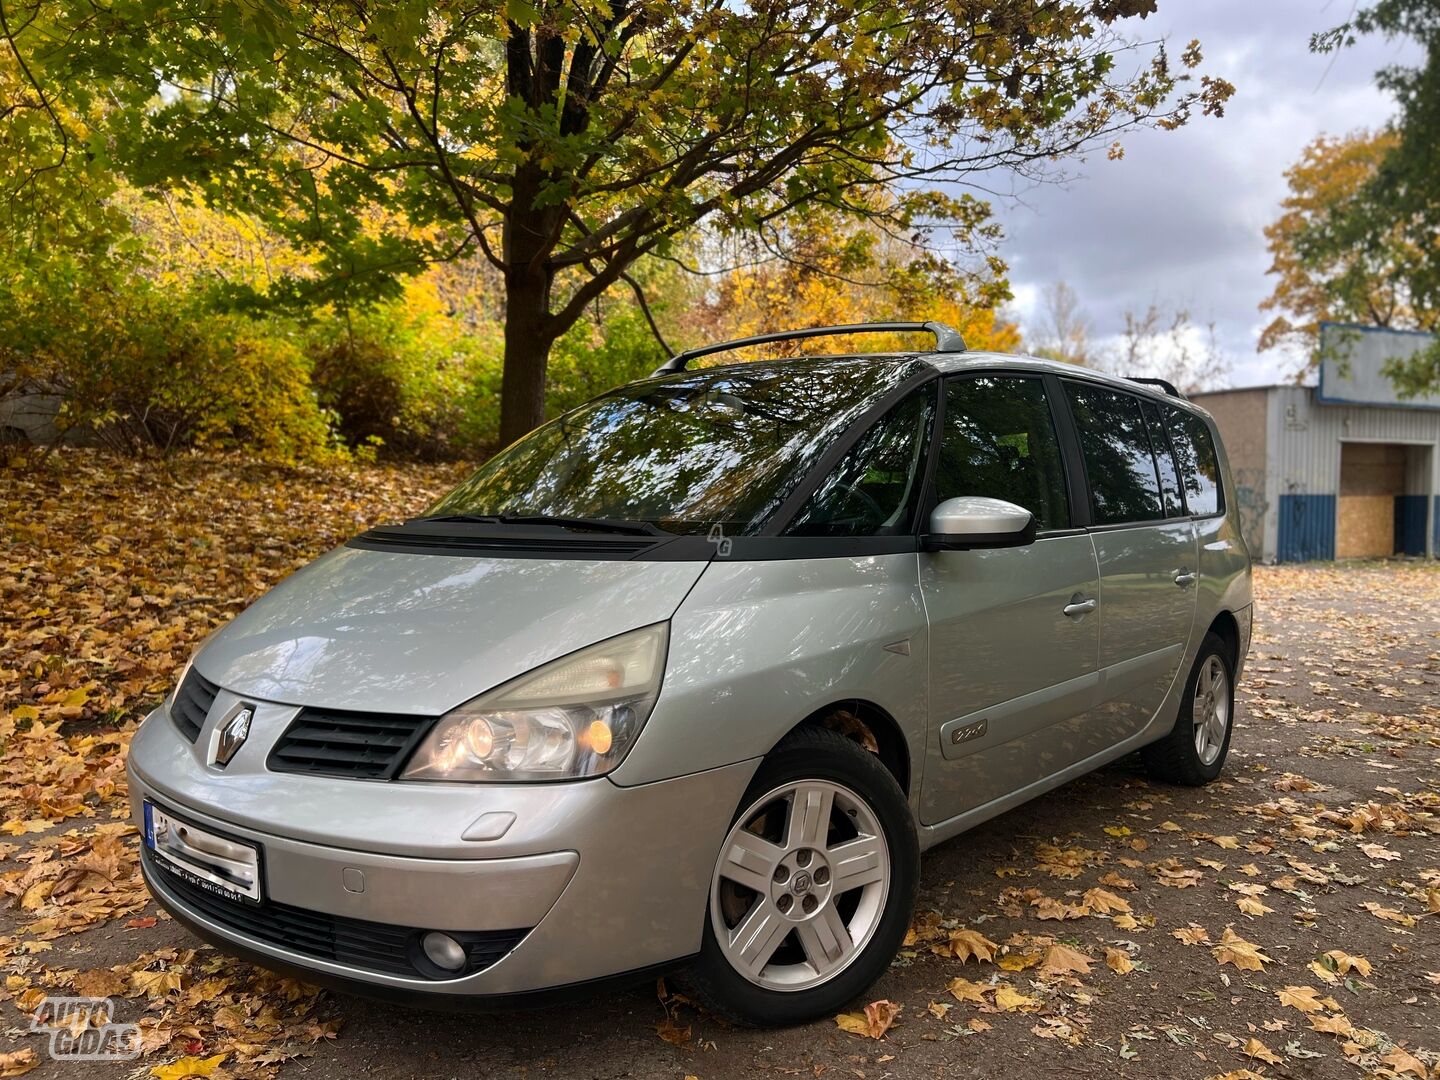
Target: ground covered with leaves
x=1283, y=922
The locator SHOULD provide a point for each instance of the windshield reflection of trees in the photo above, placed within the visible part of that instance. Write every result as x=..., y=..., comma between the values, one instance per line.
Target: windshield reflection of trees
x=723, y=446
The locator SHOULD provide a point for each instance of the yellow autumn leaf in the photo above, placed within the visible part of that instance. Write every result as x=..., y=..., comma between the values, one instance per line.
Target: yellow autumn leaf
x=1345, y=963
x=1256, y=1049
x=1402, y=1061
x=873, y=1022
x=1305, y=998
x=853, y=1022
x=1011, y=1000
x=1105, y=901
x=1118, y=961
x=1063, y=960
x=968, y=944
x=1252, y=905
x=187, y=1066
x=18, y=1062
x=155, y=983
x=1191, y=935
x=1388, y=914
x=1339, y=1024
x=1246, y=955
x=965, y=990
x=1019, y=961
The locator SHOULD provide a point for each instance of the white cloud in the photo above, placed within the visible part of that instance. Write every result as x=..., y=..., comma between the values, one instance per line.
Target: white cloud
x=1178, y=220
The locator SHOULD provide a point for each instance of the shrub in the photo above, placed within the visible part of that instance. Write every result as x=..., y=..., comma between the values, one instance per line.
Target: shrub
x=407, y=374
x=140, y=367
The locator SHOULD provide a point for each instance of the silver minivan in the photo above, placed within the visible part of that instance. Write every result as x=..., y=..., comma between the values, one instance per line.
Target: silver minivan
x=689, y=677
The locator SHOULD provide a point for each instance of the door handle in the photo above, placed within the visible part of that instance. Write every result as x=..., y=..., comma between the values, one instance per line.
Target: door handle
x=1076, y=608
x=1185, y=577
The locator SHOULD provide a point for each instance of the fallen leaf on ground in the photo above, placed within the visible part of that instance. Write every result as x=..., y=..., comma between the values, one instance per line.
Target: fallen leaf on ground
x=1063, y=960
x=1246, y=955
x=1118, y=960
x=1256, y=1049
x=965, y=945
x=18, y=1062
x=873, y=1022
x=188, y=1066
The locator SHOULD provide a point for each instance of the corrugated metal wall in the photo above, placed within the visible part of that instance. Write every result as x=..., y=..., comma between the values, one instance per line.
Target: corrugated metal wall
x=1303, y=440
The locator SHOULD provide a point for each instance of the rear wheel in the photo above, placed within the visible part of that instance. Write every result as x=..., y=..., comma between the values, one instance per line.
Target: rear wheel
x=814, y=885
x=1194, y=752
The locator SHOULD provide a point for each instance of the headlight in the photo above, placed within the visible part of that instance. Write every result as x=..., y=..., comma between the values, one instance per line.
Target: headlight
x=576, y=716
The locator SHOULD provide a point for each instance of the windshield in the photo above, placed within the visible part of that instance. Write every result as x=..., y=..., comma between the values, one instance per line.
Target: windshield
x=719, y=447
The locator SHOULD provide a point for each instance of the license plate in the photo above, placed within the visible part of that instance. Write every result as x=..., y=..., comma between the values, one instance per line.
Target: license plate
x=219, y=864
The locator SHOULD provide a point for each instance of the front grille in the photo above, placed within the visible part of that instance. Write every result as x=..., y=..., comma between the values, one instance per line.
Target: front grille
x=365, y=746
x=371, y=946
x=192, y=704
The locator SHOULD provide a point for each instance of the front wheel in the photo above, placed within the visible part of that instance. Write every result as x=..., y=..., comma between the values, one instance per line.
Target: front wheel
x=814, y=885
x=1194, y=752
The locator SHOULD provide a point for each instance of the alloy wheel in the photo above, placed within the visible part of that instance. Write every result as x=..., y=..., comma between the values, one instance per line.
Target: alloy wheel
x=800, y=885
x=1210, y=710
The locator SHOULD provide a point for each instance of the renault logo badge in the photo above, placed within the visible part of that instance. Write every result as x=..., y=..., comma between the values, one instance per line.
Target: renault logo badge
x=232, y=735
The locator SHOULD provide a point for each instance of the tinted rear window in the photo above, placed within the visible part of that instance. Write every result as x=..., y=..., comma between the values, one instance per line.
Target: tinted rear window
x=723, y=447
x=1199, y=464
x=1169, y=478
x=1119, y=464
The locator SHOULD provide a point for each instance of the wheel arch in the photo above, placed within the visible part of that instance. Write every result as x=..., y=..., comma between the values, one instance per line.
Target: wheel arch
x=871, y=726
x=1227, y=630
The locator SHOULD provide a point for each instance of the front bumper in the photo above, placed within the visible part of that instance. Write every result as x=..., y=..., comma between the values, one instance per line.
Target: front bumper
x=601, y=879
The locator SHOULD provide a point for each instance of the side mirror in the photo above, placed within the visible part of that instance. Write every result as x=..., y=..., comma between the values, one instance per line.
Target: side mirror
x=973, y=521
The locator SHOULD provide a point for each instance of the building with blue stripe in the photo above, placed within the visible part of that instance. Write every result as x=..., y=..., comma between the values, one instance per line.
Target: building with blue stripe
x=1341, y=469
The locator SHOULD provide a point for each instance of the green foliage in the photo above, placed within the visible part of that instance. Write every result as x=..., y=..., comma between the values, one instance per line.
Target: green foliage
x=594, y=356
x=1398, y=209
x=406, y=376
x=569, y=139
x=143, y=368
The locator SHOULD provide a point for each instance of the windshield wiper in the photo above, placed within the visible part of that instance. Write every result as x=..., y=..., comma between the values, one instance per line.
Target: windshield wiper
x=596, y=524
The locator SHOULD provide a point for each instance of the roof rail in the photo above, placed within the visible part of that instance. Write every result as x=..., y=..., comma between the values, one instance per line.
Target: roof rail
x=947, y=340
x=1164, y=384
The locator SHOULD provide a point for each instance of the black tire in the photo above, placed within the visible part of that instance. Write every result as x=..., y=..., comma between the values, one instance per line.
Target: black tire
x=1175, y=759
x=816, y=753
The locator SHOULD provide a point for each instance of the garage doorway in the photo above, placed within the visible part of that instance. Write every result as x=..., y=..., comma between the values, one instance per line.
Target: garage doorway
x=1383, y=506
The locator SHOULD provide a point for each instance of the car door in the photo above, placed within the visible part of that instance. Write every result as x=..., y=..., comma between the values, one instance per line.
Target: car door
x=1013, y=631
x=1146, y=549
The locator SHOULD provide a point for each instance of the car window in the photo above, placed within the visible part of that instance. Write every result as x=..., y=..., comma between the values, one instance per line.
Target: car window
x=1169, y=480
x=874, y=489
x=999, y=441
x=724, y=446
x=1199, y=464
x=1115, y=444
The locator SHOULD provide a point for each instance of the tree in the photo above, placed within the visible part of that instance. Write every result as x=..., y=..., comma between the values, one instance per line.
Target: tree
x=1063, y=331
x=567, y=139
x=1392, y=219
x=1161, y=343
x=1318, y=279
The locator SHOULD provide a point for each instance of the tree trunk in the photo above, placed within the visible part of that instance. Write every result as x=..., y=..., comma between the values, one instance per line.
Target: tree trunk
x=527, y=352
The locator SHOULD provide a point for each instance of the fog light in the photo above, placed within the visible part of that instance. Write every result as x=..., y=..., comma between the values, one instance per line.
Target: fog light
x=444, y=951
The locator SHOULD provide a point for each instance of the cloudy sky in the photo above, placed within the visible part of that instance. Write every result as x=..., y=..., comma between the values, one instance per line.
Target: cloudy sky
x=1178, y=220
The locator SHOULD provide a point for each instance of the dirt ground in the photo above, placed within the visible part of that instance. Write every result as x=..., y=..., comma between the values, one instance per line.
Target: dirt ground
x=1283, y=920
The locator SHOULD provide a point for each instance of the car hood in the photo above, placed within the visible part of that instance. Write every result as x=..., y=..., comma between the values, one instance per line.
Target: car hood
x=419, y=633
